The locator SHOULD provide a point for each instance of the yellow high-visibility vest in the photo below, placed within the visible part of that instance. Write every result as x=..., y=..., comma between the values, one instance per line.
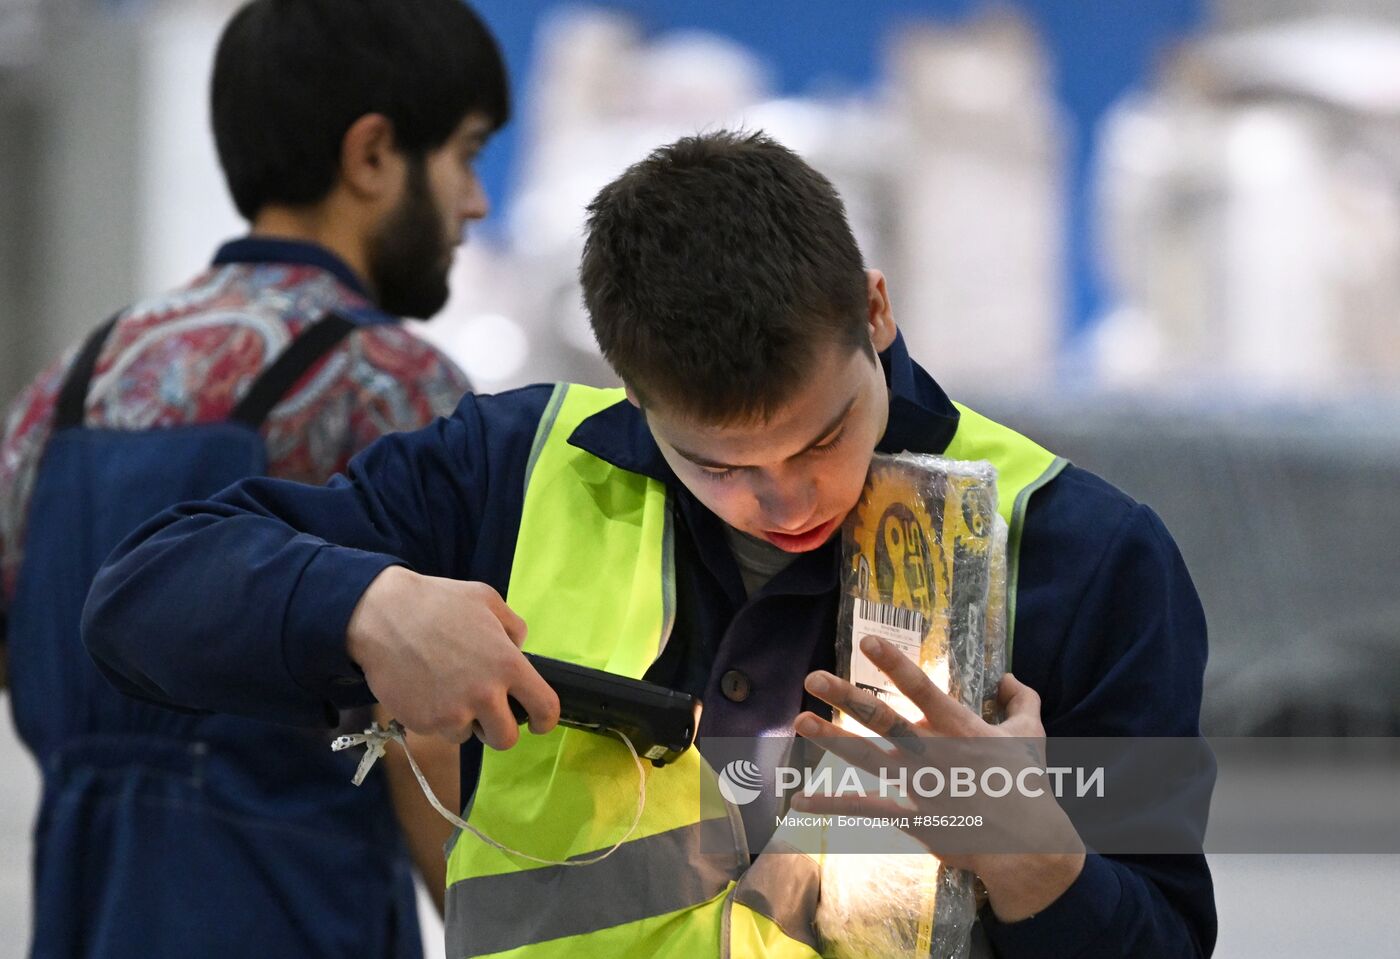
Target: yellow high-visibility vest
x=593, y=576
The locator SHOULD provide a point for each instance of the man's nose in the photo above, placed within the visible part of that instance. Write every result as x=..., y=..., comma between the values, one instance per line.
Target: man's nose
x=788, y=503
x=475, y=203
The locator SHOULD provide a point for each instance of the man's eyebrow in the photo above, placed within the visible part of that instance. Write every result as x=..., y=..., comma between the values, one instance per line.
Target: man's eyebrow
x=830, y=428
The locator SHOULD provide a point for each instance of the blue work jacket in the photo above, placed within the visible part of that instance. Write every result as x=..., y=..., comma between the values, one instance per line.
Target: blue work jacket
x=1109, y=630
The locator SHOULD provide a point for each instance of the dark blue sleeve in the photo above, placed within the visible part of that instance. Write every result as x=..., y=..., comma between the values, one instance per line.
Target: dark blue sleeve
x=1119, y=651
x=239, y=604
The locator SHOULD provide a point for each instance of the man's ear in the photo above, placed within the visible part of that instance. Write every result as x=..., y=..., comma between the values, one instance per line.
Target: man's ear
x=879, y=312
x=632, y=396
x=371, y=165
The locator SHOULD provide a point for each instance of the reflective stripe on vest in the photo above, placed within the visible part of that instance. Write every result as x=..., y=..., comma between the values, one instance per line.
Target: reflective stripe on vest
x=772, y=906
x=593, y=577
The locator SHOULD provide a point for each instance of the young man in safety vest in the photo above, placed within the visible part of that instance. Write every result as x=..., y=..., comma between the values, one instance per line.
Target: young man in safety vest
x=681, y=531
x=347, y=134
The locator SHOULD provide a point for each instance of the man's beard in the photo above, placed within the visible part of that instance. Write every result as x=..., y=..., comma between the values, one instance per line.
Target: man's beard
x=408, y=257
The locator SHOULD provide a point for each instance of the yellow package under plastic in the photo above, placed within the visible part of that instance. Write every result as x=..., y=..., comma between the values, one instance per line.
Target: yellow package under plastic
x=924, y=567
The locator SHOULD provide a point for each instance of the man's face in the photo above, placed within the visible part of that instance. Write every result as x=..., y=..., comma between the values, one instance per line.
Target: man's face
x=791, y=479
x=411, y=253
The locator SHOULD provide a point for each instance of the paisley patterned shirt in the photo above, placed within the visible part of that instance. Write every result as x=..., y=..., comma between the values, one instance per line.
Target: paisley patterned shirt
x=188, y=356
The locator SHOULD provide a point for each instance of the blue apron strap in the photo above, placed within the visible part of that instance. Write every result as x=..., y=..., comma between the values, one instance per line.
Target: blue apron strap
x=256, y=403
x=72, y=399
x=252, y=409
x=282, y=375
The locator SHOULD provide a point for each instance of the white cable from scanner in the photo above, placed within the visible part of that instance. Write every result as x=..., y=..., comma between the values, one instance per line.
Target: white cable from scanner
x=376, y=739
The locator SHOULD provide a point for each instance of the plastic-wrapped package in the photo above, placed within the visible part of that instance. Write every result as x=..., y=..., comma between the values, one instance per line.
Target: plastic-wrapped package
x=994, y=659
x=920, y=560
x=894, y=906
x=916, y=567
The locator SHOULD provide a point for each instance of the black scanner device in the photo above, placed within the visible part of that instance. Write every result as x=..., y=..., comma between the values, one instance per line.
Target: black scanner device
x=660, y=723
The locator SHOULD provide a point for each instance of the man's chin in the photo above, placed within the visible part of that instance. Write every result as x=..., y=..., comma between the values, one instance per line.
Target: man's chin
x=421, y=303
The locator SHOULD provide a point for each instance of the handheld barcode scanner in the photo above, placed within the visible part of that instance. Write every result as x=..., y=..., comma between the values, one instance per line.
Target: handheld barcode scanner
x=660, y=723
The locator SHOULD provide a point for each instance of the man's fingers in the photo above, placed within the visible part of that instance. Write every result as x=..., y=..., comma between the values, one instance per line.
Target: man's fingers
x=1021, y=706
x=497, y=727
x=944, y=714
x=453, y=734
x=539, y=699
x=861, y=705
x=513, y=625
x=857, y=750
x=1018, y=699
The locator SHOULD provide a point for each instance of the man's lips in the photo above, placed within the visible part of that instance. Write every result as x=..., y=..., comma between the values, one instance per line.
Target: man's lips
x=802, y=542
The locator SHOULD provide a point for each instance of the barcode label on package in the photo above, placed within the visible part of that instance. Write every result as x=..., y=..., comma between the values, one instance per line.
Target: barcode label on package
x=902, y=627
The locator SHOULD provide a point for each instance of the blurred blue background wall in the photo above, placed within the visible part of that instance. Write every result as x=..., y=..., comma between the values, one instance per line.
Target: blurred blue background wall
x=1100, y=49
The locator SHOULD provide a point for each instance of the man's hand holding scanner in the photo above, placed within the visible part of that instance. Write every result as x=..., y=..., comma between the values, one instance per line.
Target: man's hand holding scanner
x=443, y=656
x=1018, y=884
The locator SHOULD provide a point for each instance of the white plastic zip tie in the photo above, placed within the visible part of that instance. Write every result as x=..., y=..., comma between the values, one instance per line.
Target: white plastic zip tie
x=376, y=740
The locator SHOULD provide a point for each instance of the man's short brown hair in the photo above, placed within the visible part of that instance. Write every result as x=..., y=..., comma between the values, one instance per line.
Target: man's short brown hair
x=715, y=268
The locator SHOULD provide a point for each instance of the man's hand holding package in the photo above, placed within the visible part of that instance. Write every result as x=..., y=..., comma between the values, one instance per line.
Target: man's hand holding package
x=442, y=656
x=1018, y=884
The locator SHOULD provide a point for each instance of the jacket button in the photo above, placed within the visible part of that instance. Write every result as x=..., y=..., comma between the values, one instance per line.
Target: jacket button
x=735, y=686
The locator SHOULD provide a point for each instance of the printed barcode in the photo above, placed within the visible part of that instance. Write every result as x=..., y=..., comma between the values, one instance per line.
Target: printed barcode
x=890, y=615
